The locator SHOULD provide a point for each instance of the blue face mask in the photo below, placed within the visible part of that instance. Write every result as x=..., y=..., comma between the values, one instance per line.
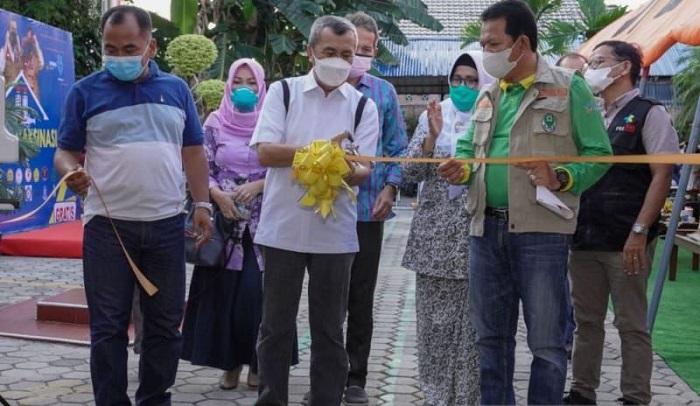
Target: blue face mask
x=125, y=68
x=244, y=99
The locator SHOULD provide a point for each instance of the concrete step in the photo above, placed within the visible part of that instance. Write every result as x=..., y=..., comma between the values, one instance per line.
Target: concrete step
x=67, y=307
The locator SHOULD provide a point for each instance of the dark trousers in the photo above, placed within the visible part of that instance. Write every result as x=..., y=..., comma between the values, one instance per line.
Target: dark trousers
x=329, y=280
x=570, y=322
x=363, y=280
x=157, y=247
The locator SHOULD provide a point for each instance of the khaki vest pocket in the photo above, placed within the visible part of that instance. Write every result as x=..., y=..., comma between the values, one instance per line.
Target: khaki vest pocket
x=551, y=128
x=482, y=133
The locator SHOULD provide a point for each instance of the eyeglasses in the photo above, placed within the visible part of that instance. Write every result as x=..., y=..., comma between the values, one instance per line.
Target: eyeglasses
x=595, y=63
x=470, y=81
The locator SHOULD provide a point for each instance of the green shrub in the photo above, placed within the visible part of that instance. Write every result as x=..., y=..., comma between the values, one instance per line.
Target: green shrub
x=190, y=54
x=210, y=92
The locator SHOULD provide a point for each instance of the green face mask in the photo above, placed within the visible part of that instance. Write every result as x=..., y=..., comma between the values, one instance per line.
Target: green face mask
x=463, y=97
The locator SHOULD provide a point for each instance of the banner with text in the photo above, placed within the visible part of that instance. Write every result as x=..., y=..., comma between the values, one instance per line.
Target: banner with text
x=37, y=62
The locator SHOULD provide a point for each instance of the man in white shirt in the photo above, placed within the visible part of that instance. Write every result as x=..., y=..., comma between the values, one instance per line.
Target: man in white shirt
x=319, y=105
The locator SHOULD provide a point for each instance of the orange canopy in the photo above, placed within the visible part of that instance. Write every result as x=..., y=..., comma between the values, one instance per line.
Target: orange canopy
x=654, y=27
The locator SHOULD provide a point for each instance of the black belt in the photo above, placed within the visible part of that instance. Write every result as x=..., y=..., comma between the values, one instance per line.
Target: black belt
x=498, y=213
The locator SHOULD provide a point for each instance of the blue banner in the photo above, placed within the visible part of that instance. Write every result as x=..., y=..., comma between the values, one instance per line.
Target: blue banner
x=37, y=62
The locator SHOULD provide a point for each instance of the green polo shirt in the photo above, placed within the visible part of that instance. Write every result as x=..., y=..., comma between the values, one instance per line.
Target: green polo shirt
x=589, y=133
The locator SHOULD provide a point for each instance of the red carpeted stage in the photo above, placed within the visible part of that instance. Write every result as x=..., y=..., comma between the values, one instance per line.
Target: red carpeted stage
x=56, y=241
x=59, y=318
x=62, y=318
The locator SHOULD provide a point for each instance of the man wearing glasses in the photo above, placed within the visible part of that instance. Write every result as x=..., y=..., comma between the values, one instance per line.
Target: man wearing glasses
x=613, y=247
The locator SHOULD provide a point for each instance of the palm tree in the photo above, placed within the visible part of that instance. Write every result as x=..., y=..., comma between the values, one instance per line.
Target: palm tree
x=687, y=91
x=595, y=16
x=556, y=37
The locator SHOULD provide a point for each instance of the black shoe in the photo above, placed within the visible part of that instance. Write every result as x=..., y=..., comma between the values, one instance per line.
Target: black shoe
x=305, y=400
x=575, y=398
x=355, y=395
x=626, y=401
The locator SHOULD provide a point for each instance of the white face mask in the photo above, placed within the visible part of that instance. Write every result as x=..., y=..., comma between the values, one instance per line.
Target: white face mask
x=497, y=64
x=598, y=79
x=332, y=71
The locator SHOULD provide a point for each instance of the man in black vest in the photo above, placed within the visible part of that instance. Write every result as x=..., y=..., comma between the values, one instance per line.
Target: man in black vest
x=614, y=243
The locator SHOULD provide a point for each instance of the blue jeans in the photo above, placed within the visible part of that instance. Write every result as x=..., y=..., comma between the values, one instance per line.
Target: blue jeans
x=505, y=268
x=157, y=247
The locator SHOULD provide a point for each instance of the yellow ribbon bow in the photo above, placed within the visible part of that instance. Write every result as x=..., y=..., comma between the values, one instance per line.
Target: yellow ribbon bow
x=320, y=168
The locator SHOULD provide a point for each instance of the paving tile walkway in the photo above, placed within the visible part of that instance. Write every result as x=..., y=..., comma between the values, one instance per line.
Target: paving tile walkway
x=40, y=373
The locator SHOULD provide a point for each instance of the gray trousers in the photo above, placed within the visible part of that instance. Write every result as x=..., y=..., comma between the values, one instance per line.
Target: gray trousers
x=329, y=281
x=595, y=276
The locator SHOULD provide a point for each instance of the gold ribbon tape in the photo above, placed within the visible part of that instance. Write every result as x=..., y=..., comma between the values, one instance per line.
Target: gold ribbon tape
x=320, y=168
x=689, y=159
x=149, y=287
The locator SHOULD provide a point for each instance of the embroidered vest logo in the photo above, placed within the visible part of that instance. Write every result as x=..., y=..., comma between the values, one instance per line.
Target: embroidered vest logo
x=549, y=123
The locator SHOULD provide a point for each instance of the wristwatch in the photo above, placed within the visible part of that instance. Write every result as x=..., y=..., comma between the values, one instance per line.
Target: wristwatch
x=204, y=205
x=640, y=229
x=562, y=178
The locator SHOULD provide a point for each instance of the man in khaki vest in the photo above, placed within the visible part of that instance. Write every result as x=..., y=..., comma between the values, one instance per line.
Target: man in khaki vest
x=519, y=249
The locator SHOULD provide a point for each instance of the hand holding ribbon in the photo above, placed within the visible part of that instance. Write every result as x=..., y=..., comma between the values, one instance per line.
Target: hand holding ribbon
x=78, y=180
x=320, y=168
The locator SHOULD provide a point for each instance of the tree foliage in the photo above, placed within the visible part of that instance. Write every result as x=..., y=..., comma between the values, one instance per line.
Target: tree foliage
x=80, y=17
x=687, y=91
x=555, y=36
x=274, y=32
x=183, y=13
x=595, y=16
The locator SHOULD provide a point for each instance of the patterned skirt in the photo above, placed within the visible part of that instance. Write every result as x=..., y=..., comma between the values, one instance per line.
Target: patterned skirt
x=448, y=361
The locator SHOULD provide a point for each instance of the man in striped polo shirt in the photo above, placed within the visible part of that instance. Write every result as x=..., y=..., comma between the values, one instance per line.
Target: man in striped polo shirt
x=374, y=203
x=140, y=128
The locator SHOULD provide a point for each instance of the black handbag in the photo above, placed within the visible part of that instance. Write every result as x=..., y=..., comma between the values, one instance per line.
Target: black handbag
x=215, y=252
